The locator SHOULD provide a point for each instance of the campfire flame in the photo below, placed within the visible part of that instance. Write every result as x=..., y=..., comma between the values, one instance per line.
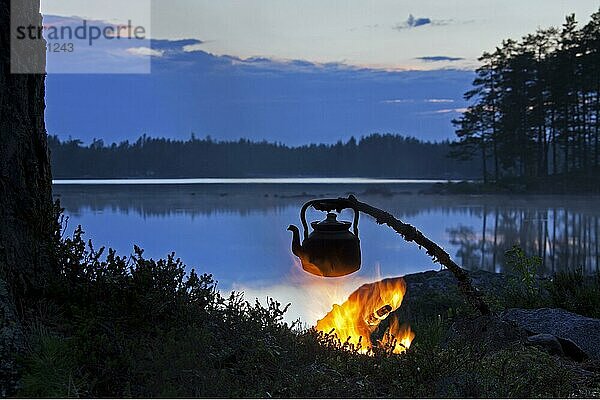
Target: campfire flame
x=363, y=311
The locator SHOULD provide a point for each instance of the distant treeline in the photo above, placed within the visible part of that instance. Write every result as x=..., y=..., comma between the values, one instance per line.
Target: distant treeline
x=536, y=105
x=371, y=156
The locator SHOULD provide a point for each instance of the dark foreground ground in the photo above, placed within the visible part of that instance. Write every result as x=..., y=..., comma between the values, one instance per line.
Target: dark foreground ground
x=115, y=326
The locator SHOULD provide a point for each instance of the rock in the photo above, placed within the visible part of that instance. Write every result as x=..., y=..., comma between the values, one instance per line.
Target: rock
x=576, y=334
x=547, y=341
x=444, y=281
x=485, y=333
x=438, y=293
x=572, y=350
x=571, y=335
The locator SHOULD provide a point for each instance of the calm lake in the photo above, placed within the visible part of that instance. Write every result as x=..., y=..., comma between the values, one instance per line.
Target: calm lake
x=236, y=230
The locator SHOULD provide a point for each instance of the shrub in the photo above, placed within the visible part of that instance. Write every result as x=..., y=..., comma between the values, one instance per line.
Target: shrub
x=577, y=292
x=524, y=287
x=572, y=290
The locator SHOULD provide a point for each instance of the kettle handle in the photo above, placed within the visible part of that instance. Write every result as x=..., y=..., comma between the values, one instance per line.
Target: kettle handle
x=321, y=202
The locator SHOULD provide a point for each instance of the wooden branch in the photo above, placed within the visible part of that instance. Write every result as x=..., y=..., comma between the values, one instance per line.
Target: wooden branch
x=411, y=234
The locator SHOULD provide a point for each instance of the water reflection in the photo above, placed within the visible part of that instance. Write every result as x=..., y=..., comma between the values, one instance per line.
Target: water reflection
x=238, y=232
x=564, y=237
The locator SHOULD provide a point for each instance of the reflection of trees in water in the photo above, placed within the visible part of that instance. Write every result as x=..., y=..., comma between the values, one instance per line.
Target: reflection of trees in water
x=564, y=239
x=561, y=230
x=468, y=248
x=207, y=200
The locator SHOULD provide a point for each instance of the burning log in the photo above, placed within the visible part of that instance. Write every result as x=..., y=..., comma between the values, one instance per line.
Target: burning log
x=354, y=320
x=379, y=315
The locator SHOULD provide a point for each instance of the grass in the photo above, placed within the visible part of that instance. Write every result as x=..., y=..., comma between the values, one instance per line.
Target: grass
x=577, y=292
x=573, y=290
x=115, y=326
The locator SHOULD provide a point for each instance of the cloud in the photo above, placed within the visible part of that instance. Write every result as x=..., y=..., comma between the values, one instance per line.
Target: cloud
x=292, y=101
x=370, y=26
x=96, y=49
x=175, y=45
x=413, y=22
x=446, y=111
x=408, y=101
x=438, y=58
x=145, y=52
x=439, y=101
x=397, y=101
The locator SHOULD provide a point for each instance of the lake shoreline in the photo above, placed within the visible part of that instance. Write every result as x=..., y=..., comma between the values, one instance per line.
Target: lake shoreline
x=387, y=187
x=237, y=181
x=552, y=185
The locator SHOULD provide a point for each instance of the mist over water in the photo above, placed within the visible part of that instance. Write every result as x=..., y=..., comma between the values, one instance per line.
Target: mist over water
x=238, y=232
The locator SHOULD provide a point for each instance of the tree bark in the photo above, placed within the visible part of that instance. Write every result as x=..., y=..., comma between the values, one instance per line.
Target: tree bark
x=26, y=209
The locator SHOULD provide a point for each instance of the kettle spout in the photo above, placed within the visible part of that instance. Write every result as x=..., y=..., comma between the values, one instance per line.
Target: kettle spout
x=296, y=246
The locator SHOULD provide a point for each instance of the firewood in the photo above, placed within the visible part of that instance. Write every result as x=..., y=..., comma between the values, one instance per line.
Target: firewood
x=379, y=315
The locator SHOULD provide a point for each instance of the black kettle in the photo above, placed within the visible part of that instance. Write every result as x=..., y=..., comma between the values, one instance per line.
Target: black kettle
x=330, y=250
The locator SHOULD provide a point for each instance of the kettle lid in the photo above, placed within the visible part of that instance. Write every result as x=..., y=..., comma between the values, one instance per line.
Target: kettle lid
x=331, y=224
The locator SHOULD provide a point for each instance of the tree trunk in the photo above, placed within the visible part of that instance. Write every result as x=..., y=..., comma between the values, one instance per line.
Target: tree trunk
x=484, y=161
x=566, y=139
x=483, y=239
x=495, y=147
x=554, y=143
x=597, y=125
x=26, y=209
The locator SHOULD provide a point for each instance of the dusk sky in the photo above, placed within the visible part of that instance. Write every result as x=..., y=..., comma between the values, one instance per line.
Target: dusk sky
x=294, y=71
